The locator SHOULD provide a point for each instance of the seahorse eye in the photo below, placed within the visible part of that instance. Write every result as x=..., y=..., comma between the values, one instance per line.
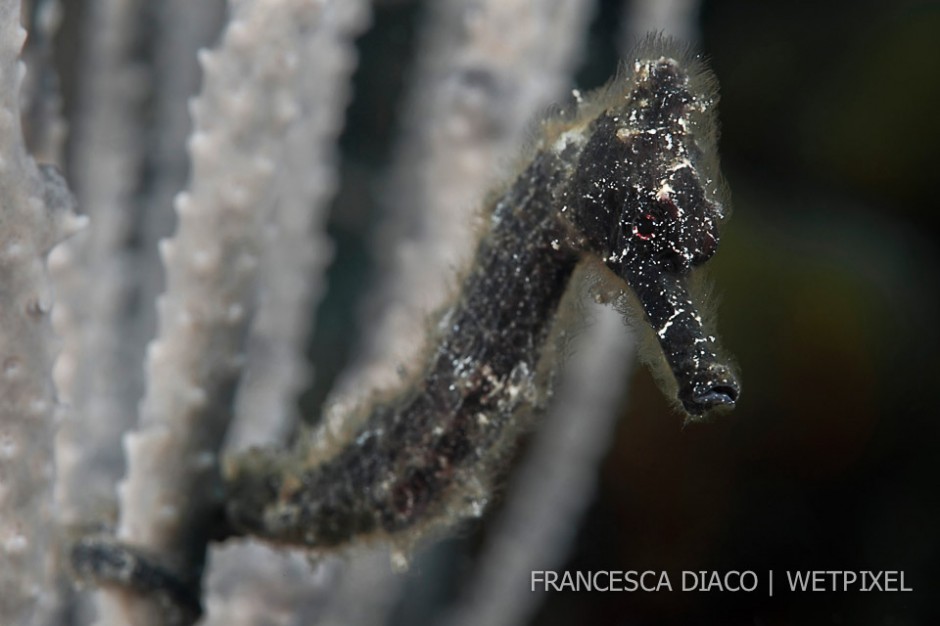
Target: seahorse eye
x=645, y=228
x=657, y=233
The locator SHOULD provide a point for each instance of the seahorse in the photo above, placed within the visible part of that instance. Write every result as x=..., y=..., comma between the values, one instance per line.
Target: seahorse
x=625, y=181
